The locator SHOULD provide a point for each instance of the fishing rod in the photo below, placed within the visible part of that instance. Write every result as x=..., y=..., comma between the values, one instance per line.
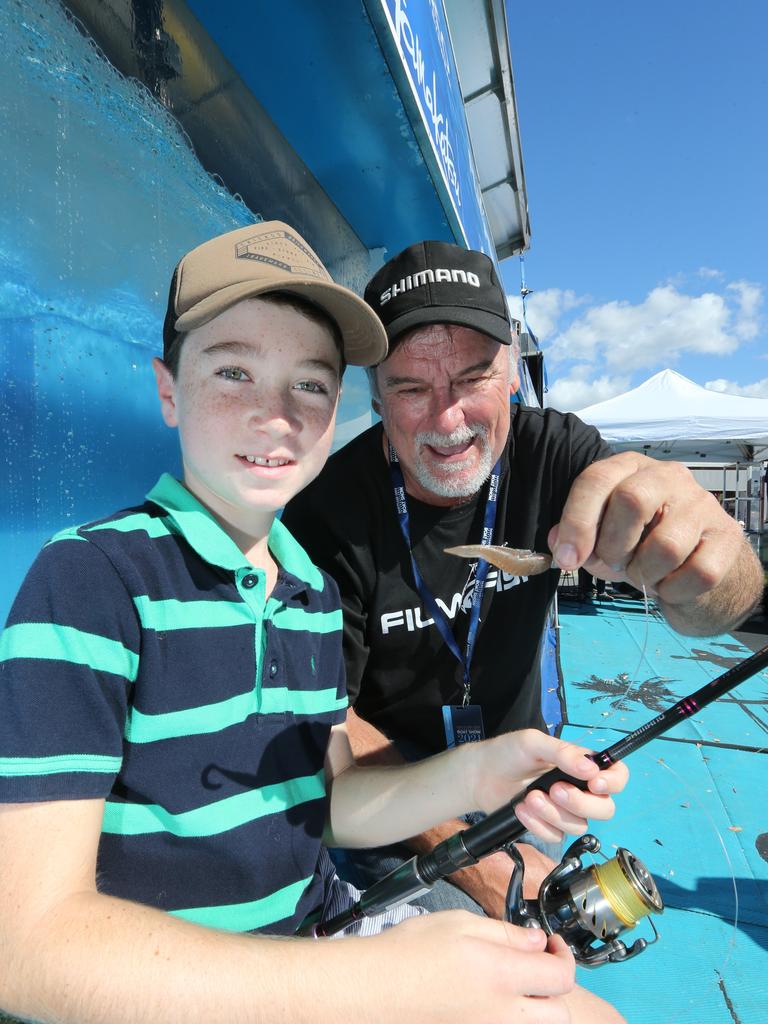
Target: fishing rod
x=581, y=904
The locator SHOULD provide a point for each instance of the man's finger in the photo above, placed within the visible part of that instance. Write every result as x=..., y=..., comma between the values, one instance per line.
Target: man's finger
x=575, y=537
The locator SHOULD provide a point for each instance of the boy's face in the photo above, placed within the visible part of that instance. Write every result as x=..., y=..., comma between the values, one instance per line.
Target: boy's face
x=255, y=402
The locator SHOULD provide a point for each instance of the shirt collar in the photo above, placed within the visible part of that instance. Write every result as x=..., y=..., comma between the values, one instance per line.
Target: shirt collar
x=204, y=534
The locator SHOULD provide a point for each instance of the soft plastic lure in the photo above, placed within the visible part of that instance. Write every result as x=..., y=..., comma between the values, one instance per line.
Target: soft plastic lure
x=517, y=561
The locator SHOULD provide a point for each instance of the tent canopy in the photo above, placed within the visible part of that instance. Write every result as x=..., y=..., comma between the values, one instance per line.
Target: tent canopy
x=670, y=417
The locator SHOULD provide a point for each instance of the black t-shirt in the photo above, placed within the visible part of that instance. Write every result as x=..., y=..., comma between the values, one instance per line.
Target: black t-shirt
x=400, y=672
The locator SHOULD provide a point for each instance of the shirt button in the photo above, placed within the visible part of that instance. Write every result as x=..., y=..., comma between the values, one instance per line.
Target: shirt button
x=272, y=669
x=250, y=581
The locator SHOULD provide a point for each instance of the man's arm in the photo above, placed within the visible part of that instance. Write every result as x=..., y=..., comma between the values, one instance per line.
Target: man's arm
x=74, y=956
x=486, y=882
x=649, y=523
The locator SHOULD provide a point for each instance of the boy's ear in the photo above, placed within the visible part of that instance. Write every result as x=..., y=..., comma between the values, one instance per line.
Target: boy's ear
x=166, y=392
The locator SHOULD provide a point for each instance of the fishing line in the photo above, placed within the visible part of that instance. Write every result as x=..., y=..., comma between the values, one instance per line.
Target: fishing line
x=688, y=788
x=634, y=677
x=721, y=839
x=525, y=291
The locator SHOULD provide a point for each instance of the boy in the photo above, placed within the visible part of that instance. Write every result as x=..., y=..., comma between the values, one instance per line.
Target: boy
x=172, y=702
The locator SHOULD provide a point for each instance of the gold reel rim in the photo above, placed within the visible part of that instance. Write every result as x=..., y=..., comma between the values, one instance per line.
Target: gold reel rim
x=627, y=897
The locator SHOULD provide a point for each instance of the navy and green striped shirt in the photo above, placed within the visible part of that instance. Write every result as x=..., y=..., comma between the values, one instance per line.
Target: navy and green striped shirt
x=142, y=664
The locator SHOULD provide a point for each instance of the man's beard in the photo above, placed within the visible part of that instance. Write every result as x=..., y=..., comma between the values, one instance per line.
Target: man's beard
x=460, y=486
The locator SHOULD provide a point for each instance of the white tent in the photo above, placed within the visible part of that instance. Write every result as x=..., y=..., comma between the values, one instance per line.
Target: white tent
x=670, y=417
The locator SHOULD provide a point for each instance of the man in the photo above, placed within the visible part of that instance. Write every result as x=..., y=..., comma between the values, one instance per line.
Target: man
x=454, y=463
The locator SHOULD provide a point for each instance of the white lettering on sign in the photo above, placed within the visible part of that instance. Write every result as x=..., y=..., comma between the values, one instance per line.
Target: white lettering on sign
x=409, y=41
x=440, y=38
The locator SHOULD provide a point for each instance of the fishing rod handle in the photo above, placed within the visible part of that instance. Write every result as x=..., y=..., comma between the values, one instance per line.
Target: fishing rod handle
x=503, y=826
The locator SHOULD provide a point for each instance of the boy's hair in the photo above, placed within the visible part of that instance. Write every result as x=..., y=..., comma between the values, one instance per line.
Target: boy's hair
x=301, y=305
x=263, y=260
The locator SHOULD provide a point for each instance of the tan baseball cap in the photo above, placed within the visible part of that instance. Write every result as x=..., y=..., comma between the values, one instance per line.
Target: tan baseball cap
x=261, y=258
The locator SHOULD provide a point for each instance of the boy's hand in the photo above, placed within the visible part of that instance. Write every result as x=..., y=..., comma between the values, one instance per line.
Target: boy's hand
x=456, y=966
x=451, y=967
x=502, y=767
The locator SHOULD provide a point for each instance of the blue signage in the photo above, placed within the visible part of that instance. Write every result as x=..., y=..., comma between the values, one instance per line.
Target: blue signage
x=420, y=32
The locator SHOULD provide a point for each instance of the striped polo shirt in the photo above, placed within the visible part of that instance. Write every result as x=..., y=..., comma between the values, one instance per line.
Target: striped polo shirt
x=141, y=663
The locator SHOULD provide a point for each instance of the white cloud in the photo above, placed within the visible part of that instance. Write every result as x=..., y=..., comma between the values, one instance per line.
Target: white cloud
x=665, y=325
x=757, y=390
x=593, y=351
x=710, y=272
x=545, y=309
x=579, y=390
x=750, y=299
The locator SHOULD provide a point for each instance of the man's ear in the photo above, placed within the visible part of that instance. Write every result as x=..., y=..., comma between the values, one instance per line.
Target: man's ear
x=376, y=406
x=166, y=392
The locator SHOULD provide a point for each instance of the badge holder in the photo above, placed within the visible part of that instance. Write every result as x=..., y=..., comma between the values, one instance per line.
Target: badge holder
x=463, y=723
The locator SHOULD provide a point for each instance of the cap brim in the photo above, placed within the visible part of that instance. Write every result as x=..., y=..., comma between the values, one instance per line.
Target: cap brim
x=363, y=336
x=495, y=327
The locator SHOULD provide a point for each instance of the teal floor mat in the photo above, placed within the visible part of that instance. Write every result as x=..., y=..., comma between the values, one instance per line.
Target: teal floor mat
x=695, y=811
x=622, y=668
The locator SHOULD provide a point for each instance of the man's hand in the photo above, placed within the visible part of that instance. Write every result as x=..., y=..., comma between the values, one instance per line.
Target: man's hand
x=649, y=523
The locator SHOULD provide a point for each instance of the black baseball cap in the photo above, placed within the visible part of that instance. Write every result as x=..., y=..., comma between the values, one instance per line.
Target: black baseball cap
x=439, y=283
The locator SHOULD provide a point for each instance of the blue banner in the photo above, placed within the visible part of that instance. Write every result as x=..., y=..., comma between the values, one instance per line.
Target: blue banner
x=420, y=32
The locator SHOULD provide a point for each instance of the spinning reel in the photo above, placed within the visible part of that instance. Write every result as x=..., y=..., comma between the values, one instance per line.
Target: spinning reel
x=590, y=906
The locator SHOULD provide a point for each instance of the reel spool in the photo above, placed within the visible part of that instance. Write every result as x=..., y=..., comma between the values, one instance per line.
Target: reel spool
x=590, y=906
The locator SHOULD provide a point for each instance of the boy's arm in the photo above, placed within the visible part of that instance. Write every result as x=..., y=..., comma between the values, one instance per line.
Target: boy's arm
x=487, y=881
x=374, y=806
x=74, y=956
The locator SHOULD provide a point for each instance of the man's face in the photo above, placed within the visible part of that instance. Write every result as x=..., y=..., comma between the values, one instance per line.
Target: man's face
x=255, y=402
x=445, y=406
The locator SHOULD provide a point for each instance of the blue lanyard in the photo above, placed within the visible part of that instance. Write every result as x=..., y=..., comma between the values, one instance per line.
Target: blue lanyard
x=440, y=619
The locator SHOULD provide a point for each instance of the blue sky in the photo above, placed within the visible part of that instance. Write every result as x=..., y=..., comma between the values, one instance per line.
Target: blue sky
x=644, y=132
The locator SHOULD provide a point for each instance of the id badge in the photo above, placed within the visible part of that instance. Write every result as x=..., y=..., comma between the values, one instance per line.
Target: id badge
x=462, y=724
